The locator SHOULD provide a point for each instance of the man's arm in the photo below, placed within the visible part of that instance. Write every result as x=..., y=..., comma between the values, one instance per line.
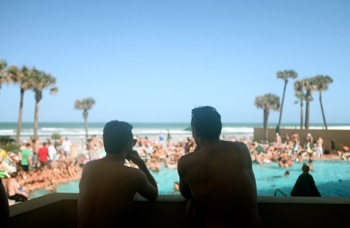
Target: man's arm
x=29, y=158
x=148, y=186
x=183, y=185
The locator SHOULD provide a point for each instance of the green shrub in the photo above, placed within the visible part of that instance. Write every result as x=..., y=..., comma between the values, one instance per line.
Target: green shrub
x=56, y=137
x=10, y=148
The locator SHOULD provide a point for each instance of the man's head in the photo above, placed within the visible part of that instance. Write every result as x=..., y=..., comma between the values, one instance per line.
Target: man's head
x=116, y=135
x=305, y=168
x=207, y=122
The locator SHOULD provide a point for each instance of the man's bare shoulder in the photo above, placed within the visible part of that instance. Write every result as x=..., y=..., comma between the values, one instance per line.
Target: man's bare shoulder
x=239, y=146
x=186, y=160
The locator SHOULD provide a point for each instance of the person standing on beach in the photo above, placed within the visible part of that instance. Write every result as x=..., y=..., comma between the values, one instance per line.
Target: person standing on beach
x=217, y=178
x=168, y=136
x=319, y=147
x=26, y=160
x=52, y=151
x=107, y=186
x=43, y=155
x=66, y=146
x=35, y=148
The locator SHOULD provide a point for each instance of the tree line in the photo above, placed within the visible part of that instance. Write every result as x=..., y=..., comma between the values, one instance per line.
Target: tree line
x=36, y=81
x=303, y=91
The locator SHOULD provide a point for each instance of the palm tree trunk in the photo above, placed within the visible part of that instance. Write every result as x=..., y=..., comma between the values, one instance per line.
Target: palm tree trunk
x=85, y=115
x=20, y=114
x=284, y=93
x=86, y=128
x=36, y=119
x=307, y=114
x=324, y=117
x=266, y=117
x=38, y=97
x=301, y=113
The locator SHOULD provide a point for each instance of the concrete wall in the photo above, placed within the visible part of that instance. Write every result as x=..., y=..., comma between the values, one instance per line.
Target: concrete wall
x=60, y=210
x=340, y=136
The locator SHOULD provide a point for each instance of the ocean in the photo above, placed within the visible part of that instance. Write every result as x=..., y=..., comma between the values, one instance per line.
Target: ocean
x=179, y=131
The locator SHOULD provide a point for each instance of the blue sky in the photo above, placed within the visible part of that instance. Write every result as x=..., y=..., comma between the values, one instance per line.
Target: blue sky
x=153, y=61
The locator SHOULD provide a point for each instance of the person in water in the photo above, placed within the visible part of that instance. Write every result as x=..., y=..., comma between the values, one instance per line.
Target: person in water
x=305, y=184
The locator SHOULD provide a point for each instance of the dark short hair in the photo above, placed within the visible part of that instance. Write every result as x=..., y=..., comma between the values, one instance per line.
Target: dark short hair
x=207, y=122
x=116, y=134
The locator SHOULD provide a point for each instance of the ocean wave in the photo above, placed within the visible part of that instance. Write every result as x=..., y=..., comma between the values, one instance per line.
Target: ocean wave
x=150, y=130
x=237, y=130
x=7, y=132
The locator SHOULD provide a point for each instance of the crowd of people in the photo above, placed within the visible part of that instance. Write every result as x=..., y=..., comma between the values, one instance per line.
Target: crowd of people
x=286, y=150
x=38, y=165
x=206, y=164
x=42, y=165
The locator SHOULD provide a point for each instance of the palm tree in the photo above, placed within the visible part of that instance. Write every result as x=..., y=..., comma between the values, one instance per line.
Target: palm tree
x=299, y=93
x=285, y=75
x=21, y=76
x=85, y=104
x=41, y=81
x=267, y=102
x=322, y=82
x=309, y=87
x=3, y=66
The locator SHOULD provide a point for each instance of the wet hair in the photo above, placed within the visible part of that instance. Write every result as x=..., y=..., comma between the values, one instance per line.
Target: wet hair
x=305, y=168
x=207, y=122
x=116, y=135
x=13, y=175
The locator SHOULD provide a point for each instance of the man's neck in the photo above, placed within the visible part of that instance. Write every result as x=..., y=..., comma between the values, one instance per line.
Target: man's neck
x=208, y=143
x=116, y=157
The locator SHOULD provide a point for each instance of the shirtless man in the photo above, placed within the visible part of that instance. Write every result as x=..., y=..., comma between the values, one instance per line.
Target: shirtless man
x=107, y=186
x=217, y=178
x=13, y=189
x=319, y=147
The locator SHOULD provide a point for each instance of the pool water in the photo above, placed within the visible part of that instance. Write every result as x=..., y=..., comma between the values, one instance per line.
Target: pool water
x=332, y=179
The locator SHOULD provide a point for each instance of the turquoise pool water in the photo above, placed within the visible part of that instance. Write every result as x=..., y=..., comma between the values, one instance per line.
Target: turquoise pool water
x=332, y=179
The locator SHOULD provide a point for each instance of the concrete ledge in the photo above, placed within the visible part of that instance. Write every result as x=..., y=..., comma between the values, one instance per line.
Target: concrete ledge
x=59, y=210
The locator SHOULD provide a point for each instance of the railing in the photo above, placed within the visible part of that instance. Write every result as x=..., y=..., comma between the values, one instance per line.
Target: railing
x=278, y=190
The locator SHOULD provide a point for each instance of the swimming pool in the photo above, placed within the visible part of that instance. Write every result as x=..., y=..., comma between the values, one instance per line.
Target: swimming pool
x=332, y=179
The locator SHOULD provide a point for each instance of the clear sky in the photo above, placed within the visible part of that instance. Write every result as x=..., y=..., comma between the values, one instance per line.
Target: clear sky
x=153, y=61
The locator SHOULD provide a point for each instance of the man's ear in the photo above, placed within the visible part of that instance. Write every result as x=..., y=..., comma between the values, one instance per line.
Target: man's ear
x=127, y=148
x=194, y=133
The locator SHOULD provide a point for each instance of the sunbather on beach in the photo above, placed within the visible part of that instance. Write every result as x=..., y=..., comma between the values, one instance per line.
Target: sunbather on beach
x=217, y=178
x=107, y=186
x=14, y=191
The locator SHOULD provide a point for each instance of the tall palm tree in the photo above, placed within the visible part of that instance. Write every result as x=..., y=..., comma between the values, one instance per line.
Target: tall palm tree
x=267, y=102
x=3, y=66
x=21, y=76
x=285, y=75
x=309, y=87
x=299, y=93
x=85, y=104
x=322, y=82
x=41, y=81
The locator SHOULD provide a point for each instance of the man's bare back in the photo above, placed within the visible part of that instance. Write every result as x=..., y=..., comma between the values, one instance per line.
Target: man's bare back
x=107, y=186
x=222, y=181
x=218, y=180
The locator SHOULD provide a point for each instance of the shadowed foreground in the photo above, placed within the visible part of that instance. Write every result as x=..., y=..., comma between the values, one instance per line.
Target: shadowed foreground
x=59, y=210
